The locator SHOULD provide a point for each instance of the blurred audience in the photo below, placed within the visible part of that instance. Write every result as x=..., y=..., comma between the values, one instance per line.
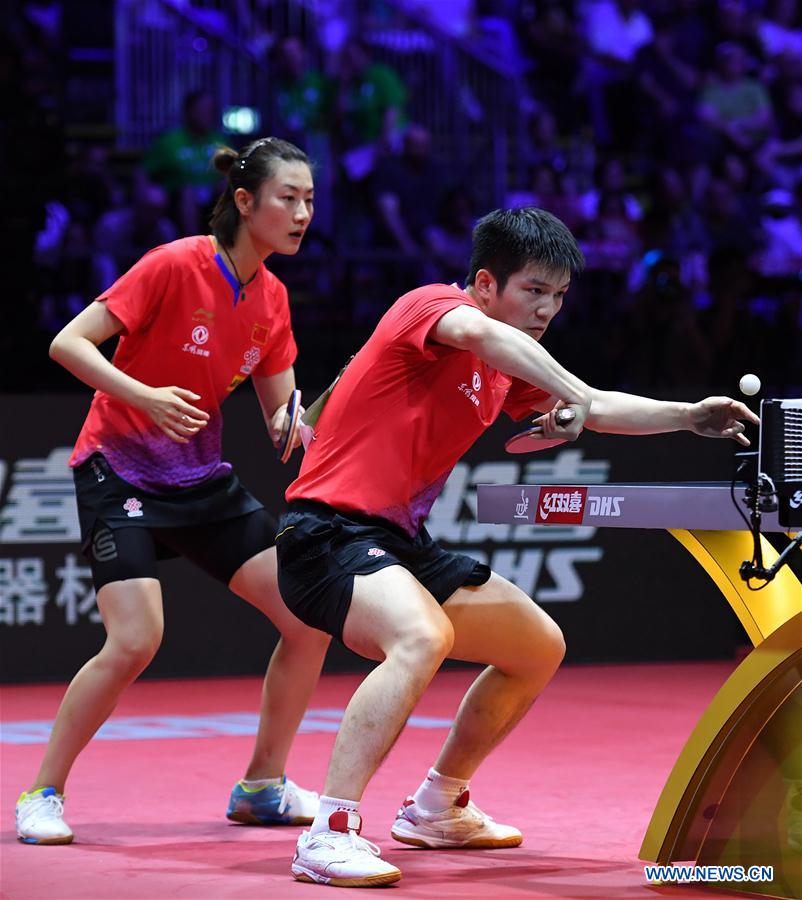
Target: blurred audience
x=662, y=344
x=409, y=190
x=666, y=133
x=780, y=236
x=179, y=161
x=734, y=105
x=614, y=32
x=449, y=238
x=369, y=106
x=300, y=95
x=123, y=235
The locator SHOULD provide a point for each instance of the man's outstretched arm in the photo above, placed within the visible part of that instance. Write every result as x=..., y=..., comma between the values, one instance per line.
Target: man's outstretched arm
x=618, y=413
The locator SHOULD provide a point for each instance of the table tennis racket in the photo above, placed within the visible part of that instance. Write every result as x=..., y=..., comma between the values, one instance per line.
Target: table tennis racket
x=309, y=419
x=289, y=429
x=530, y=441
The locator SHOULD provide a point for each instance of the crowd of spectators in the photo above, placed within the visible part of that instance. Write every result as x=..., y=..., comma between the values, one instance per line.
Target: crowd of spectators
x=666, y=133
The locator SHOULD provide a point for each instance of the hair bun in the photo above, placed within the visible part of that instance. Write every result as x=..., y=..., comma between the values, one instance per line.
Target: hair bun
x=223, y=159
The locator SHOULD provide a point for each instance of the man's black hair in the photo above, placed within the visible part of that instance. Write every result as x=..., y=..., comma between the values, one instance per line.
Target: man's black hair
x=508, y=240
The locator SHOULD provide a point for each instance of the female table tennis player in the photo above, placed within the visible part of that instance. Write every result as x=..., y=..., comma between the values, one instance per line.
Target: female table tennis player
x=196, y=318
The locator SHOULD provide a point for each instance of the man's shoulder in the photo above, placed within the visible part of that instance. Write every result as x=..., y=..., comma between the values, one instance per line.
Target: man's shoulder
x=425, y=301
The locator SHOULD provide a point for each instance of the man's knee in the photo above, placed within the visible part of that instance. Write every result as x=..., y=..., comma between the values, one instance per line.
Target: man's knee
x=427, y=642
x=541, y=651
x=553, y=644
x=300, y=638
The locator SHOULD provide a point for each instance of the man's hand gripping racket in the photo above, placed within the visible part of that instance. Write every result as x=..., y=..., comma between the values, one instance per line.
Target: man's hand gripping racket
x=545, y=433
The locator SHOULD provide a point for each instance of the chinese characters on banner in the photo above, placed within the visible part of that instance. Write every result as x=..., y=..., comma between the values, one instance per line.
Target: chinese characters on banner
x=38, y=511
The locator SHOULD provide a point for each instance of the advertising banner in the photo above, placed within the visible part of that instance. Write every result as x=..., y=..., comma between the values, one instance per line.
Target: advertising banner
x=618, y=594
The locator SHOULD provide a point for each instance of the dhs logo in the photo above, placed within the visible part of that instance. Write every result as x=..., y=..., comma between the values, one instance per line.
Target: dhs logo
x=549, y=563
x=561, y=505
x=607, y=507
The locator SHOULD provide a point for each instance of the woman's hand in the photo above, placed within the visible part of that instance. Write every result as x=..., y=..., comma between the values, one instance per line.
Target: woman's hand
x=276, y=426
x=171, y=410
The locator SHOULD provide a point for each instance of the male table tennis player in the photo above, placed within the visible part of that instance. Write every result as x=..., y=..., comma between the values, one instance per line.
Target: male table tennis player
x=356, y=561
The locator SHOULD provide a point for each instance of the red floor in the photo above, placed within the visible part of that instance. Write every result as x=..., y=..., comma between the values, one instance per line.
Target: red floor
x=580, y=777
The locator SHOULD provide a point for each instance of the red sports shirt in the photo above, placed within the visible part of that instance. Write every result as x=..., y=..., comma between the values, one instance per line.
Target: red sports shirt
x=403, y=413
x=184, y=328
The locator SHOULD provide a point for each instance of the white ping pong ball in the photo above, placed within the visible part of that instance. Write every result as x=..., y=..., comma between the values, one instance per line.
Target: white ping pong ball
x=749, y=385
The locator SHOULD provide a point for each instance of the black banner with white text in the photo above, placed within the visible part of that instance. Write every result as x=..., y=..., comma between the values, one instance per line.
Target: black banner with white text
x=618, y=594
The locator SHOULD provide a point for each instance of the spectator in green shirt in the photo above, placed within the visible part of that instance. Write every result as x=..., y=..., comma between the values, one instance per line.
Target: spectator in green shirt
x=301, y=94
x=180, y=160
x=733, y=105
x=369, y=108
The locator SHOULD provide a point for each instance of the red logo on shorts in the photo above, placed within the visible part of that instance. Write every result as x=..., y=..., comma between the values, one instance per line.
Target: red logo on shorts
x=375, y=551
x=561, y=505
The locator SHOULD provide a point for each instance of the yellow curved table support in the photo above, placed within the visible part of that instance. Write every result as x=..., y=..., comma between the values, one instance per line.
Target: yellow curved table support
x=720, y=553
x=757, y=708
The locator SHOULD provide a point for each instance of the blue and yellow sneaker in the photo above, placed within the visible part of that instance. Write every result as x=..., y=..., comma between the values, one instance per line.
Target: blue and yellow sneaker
x=40, y=818
x=280, y=804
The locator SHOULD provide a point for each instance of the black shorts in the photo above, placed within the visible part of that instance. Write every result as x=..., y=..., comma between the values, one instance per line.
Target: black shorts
x=124, y=530
x=320, y=550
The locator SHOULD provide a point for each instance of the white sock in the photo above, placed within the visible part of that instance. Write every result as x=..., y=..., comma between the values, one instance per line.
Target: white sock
x=258, y=783
x=329, y=805
x=439, y=791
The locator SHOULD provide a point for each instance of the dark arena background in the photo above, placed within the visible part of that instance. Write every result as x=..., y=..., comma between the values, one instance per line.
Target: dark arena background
x=667, y=134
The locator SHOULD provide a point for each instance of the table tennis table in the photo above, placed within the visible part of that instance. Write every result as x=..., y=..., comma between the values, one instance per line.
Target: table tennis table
x=726, y=801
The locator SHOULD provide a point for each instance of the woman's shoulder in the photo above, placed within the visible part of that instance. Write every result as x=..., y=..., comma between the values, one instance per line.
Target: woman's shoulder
x=198, y=245
x=272, y=284
x=187, y=253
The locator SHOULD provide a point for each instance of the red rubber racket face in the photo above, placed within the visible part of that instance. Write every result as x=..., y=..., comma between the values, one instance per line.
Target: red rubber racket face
x=530, y=440
x=290, y=427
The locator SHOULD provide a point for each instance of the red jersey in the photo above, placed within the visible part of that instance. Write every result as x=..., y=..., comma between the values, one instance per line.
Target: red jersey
x=403, y=413
x=183, y=326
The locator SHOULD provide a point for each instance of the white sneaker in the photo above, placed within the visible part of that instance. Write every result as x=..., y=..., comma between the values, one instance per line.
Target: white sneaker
x=40, y=818
x=461, y=825
x=340, y=857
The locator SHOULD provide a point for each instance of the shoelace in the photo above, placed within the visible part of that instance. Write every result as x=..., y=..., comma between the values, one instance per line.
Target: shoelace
x=54, y=803
x=359, y=843
x=354, y=841
x=475, y=809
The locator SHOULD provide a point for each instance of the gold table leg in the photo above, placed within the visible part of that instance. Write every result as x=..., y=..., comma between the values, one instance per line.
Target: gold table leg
x=734, y=796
